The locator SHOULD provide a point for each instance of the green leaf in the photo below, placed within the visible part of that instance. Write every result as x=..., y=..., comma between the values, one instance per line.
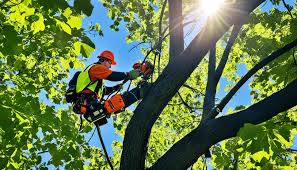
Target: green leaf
x=67, y=12
x=84, y=6
x=258, y=156
x=65, y=63
x=75, y=21
x=11, y=40
x=97, y=27
x=54, y=4
x=65, y=27
x=249, y=131
x=38, y=25
x=127, y=19
x=86, y=50
x=87, y=41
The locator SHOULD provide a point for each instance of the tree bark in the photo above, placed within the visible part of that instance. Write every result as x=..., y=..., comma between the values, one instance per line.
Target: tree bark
x=186, y=151
x=222, y=64
x=175, y=28
x=210, y=92
x=172, y=78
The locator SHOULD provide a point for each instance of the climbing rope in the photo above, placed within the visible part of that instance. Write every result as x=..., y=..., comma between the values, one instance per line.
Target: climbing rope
x=102, y=144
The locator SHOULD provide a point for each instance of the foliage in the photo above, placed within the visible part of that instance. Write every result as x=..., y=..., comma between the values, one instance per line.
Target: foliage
x=41, y=41
x=263, y=146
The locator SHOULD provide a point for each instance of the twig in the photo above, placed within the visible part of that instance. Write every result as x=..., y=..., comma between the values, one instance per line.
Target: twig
x=288, y=8
x=282, y=122
x=161, y=17
x=291, y=150
x=195, y=90
x=159, y=47
x=153, y=69
x=185, y=24
x=42, y=152
x=263, y=5
x=295, y=61
x=159, y=60
x=191, y=29
x=154, y=47
x=184, y=103
x=92, y=135
x=135, y=46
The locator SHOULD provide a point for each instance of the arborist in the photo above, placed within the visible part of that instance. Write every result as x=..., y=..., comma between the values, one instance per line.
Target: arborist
x=89, y=90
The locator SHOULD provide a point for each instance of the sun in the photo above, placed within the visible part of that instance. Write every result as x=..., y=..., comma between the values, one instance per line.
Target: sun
x=210, y=7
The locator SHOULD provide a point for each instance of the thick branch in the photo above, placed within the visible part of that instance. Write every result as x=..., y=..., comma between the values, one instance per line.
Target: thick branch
x=224, y=59
x=210, y=92
x=172, y=78
x=175, y=28
x=192, y=146
x=257, y=67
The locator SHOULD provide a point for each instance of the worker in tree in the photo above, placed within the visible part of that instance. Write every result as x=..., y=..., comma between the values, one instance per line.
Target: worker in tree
x=89, y=88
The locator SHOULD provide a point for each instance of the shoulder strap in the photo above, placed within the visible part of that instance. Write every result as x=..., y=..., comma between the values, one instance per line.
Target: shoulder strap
x=98, y=86
x=91, y=82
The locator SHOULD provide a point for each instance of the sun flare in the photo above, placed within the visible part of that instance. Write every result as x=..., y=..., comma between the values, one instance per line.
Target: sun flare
x=210, y=7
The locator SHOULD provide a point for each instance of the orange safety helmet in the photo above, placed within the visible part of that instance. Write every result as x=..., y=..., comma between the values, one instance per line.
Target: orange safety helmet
x=108, y=55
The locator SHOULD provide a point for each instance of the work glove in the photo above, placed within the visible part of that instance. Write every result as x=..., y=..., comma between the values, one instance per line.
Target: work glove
x=133, y=74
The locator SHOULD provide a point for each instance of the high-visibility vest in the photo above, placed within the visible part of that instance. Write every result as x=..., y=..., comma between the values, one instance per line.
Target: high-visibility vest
x=84, y=81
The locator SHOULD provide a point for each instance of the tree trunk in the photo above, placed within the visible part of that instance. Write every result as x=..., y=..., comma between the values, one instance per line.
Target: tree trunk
x=172, y=78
